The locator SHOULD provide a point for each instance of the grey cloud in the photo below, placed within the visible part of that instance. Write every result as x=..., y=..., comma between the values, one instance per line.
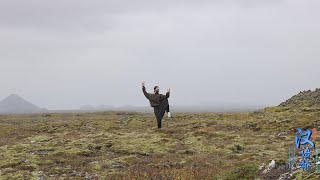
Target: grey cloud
x=62, y=54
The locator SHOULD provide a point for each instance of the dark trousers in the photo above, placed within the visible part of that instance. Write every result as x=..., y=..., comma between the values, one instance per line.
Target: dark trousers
x=160, y=110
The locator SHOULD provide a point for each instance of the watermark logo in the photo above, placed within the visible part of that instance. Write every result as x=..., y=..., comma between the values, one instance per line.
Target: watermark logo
x=304, y=142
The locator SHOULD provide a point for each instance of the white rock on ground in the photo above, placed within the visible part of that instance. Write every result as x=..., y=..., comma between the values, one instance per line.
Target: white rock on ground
x=269, y=167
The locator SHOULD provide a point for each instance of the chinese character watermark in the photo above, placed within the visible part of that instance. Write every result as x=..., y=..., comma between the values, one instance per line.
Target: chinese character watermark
x=303, y=142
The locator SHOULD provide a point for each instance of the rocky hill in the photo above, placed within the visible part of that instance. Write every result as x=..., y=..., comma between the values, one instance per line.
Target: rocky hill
x=304, y=99
x=14, y=104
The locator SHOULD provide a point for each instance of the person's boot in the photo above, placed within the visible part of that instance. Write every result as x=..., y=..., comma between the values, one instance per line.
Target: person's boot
x=169, y=115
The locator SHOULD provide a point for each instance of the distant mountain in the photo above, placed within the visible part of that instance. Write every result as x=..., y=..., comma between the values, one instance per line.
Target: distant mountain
x=14, y=104
x=304, y=99
x=104, y=107
x=87, y=108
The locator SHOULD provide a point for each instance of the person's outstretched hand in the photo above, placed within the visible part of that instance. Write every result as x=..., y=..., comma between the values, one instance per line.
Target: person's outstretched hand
x=143, y=83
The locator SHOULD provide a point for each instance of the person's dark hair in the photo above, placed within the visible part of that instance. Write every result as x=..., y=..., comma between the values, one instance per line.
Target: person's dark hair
x=154, y=89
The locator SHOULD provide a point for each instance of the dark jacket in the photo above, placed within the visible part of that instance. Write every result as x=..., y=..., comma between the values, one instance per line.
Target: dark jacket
x=155, y=99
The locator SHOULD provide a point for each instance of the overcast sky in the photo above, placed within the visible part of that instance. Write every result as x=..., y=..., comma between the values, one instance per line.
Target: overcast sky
x=61, y=54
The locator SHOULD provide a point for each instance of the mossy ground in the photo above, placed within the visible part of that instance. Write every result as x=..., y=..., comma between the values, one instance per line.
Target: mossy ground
x=120, y=145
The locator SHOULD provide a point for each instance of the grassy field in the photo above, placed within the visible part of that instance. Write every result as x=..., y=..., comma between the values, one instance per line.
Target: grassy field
x=123, y=145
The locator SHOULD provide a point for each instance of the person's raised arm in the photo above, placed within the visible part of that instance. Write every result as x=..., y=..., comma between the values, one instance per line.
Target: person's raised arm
x=168, y=93
x=144, y=90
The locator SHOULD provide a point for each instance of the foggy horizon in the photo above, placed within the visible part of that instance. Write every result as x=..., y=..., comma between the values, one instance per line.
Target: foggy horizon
x=66, y=54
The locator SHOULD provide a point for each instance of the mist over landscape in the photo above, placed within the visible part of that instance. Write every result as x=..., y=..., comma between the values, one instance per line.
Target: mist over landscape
x=63, y=55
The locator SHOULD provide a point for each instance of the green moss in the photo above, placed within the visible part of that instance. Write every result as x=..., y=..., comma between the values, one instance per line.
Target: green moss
x=128, y=145
x=244, y=172
x=198, y=143
x=141, y=143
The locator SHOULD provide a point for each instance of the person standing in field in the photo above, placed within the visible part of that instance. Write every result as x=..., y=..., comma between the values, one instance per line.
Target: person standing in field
x=159, y=102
